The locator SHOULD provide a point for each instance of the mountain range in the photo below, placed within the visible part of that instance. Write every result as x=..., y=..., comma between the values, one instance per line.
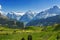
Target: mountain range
x=13, y=15
x=49, y=16
x=29, y=18
x=11, y=23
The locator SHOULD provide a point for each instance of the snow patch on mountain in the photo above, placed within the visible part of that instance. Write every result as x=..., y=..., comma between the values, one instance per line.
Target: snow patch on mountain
x=48, y=13
x=27, y=16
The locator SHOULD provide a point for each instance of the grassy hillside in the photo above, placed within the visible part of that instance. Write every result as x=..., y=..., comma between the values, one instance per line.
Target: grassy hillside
x=38, y=33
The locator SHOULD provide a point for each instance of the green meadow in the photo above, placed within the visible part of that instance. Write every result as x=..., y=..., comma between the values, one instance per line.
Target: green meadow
x=38, y=33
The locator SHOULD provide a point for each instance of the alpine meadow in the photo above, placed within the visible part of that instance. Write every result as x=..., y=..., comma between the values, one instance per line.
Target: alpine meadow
x=29, y=19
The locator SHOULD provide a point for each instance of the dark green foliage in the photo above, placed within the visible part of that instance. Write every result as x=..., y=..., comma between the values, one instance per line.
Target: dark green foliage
x=29, y=37
x=20, y=24
x=57, y=27
x=11, y=23
x=22, y=39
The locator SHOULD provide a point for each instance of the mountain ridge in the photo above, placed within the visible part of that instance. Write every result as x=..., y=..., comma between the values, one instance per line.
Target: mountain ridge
x=40, y=17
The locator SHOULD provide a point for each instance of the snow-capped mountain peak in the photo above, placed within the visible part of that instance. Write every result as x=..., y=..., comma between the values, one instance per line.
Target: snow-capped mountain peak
x=55, y=7
x=17, y=13
x=55, y=10
x=29, y=12
x=47, y=17
x=14, y=15
x=27, y=16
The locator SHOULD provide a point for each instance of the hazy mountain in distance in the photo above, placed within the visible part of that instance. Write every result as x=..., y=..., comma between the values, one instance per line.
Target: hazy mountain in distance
x=55, y=10
x=14, y=15
x=44, y=16
x=27, y=16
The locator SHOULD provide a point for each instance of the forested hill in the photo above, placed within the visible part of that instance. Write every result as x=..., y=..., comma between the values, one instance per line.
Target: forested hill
x=5, y=21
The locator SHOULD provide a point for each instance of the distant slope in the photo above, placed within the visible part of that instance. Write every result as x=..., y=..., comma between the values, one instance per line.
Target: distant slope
x=55, y=10
x=27, y=16
x=5, y=21
x=47, y=17
x=14, y=16
x=47, y=21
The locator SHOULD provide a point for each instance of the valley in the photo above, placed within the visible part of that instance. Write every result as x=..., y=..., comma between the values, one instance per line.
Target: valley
x=38, y=33
x=44, y=25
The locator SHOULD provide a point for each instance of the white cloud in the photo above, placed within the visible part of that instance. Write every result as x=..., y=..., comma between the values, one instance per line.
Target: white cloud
x=19, y=13
x=0, y=7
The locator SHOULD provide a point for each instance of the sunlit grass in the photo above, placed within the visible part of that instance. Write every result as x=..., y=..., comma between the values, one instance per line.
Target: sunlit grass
x=38, y=33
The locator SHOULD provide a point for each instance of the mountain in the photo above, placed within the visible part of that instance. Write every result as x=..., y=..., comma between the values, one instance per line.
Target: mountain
x=3, y=19
x=44, y=22
x=13, y=15
x=11, y=23
x=19, y=14
x=49, y=16
x=27, y=16
x=48, y=13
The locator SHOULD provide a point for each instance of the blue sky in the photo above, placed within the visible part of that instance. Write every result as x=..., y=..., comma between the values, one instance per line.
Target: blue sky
x=25, y=5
